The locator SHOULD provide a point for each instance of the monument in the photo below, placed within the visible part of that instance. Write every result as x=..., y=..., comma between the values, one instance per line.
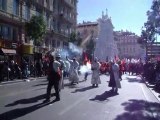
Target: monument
x=105, y=46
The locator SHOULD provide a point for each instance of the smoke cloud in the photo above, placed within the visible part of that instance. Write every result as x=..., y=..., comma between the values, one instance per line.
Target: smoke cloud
x=70, y=51
x=85, y=68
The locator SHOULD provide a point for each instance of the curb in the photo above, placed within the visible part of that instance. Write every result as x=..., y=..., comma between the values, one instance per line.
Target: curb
x=21, y=80
x=152, y=91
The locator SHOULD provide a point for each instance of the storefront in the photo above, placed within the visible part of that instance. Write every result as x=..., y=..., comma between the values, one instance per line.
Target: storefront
x=28, y=54
x=6, y=54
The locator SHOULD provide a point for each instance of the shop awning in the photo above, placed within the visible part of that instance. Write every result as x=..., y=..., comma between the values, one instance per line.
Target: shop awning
x=7, y=51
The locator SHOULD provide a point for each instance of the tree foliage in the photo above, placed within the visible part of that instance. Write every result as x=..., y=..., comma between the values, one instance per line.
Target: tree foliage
x=152, y=26
x=72, y=37
x=35, y=28
x=75, y=38
x=79, y=39
x=90, y=46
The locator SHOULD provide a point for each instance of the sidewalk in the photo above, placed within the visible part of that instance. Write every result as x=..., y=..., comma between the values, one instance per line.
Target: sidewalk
x=150, y=87
x=21, y=80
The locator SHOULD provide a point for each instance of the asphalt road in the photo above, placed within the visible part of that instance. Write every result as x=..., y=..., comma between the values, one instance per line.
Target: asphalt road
x=24, y=101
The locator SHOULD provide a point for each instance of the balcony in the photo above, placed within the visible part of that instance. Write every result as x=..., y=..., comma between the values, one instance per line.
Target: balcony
x=69, y=4
x=10, y=17
x=42, y=5
x=59, y=34
x=65, y=18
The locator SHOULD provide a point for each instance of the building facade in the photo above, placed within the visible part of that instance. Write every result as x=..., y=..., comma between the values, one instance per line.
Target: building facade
x=101, y=32
x=87, y=31
x=128, y=46
x=153, y=50
x=60, y=17
x=106, y=48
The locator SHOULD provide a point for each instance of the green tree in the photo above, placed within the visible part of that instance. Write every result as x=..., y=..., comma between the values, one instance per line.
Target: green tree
x=79, y=39
x=152, y=26
x=143, y=39
x=75, y=38
x=35, y=29
x=90, y=46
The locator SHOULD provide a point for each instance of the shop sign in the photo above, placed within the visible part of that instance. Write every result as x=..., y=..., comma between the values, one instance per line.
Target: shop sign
x=27, y=49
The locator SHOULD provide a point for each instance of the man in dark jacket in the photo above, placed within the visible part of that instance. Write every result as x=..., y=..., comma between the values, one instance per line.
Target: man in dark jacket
x=53, y=79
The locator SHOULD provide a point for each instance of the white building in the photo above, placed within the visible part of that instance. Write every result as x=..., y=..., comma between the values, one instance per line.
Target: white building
x=106, y=47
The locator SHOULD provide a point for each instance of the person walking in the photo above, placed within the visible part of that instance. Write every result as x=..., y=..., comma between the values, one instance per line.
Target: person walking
x=67, y=68
x=24, y=68
x=114, y=77
x=73, y=76
x=86, y=70
x=95, y=66
x=53, y=78
x=62, y=68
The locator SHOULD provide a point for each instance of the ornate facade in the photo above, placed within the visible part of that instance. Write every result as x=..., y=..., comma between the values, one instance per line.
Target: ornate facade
x=106, y=48
x=102, y=34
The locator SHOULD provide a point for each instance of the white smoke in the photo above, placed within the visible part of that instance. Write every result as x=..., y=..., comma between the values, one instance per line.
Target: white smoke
x=85, y=68
x=86, y=40
x=70, y=51
x=75, y=48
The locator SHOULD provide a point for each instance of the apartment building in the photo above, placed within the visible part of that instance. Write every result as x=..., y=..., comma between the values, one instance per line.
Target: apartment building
x=86, y=30
x=127, y=44
x=60, y=17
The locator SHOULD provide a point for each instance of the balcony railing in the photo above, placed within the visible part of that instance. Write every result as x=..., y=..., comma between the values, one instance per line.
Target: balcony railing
x=69, y=3
x=10, y=15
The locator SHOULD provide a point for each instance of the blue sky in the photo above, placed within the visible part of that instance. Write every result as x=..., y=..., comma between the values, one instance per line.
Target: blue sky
x=126, y=14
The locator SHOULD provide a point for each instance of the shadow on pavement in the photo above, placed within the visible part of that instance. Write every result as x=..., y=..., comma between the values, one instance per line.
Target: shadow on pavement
x=83, y=89
x=104, y=96
x=65, y=84
x=28, y=100
x=19, y=112
x=140, y=110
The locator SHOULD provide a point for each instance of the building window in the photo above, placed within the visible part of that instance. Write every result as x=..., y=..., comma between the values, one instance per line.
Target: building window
x=119, y=50
x=27, y=13
x=0, y=31
x=15, y=7
x=58, y=43
x=3, y=5
x=48, y=21
x=54, y=25
x=6, y=32
x=53, y=43
x=14, y=35
x=134, y=50
x=38, y=12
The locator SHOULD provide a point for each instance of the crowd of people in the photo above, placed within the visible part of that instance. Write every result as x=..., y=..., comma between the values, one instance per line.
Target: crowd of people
x=57, y=69
x=10, y=70
x=148, y=70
